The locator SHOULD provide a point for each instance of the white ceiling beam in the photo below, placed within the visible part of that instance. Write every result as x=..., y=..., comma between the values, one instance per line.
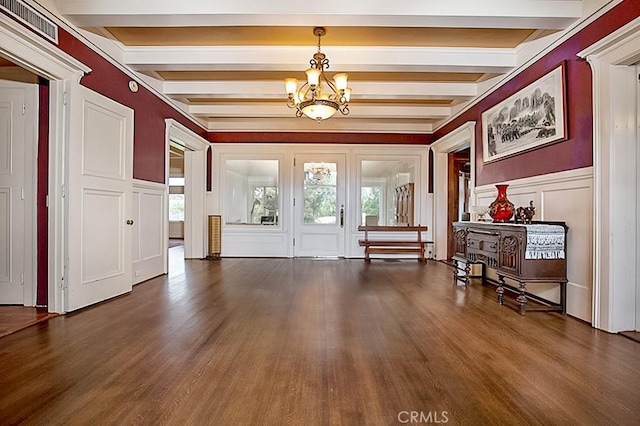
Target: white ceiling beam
x=363, y=111
x=341, y=59
x=334, y=124
x=362, y=90
x=552, y=14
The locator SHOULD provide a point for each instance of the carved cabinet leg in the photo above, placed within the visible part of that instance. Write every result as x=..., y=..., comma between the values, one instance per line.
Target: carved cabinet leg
x=563, y=297
x=500, y=289
x=467, y=272
x=455, y=271
x=522, y=298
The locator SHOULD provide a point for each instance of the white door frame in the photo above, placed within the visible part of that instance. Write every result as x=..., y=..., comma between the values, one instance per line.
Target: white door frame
x=336, y=232
x=460, y=138
x=615, y=140
x=195, y=180
x=39, y=56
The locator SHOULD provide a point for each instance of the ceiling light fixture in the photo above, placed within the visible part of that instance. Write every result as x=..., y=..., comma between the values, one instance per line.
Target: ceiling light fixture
x=319, y=98
x=320, y=173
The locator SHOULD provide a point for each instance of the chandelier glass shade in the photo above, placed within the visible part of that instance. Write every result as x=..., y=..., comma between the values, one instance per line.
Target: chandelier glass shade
x=319, y=98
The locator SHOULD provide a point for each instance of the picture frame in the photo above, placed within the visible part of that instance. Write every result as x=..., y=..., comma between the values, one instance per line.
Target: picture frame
x=532, y=117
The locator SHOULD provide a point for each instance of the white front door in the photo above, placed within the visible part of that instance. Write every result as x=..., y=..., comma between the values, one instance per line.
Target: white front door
x=99, y=198
x=17, y=115
x=319, y=205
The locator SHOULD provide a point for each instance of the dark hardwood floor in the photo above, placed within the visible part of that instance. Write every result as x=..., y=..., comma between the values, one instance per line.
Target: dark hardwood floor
x=306, y=342
x=15, y=318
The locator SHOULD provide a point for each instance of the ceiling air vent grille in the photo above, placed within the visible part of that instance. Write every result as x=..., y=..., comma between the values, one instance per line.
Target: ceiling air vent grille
x=32, y=18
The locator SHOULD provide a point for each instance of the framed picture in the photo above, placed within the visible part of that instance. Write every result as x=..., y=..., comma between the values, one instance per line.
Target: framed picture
x=532, y=117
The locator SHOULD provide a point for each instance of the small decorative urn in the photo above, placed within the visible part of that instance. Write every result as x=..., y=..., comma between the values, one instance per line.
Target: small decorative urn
x=501, y=209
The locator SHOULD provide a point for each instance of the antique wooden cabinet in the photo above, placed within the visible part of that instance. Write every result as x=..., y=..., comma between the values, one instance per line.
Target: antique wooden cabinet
x=508, y=248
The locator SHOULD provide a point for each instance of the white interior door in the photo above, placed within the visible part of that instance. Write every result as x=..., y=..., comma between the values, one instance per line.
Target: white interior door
x=17, y=115
x=319, y=205
x=99, y=198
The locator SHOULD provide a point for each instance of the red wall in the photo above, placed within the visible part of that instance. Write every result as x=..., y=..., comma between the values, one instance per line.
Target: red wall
x=576, y=151
x=42, y=188
x=149, y=110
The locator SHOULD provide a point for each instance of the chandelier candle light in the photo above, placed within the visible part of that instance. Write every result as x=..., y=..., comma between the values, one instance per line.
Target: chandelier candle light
x=319, y=98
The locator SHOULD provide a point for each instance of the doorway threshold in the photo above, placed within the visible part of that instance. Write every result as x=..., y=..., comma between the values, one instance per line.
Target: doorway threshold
x=15, y=318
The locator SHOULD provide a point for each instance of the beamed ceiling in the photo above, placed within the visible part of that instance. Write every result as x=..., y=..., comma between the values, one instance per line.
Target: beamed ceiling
x=412, y=64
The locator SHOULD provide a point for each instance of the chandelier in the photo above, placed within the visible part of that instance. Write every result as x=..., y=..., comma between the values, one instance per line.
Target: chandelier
x=319, y=98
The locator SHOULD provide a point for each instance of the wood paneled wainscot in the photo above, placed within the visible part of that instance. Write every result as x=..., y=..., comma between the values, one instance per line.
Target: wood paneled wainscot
x=522, y=253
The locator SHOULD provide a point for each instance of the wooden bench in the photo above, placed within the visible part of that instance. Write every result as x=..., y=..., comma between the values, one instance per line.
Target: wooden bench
x=393, y=246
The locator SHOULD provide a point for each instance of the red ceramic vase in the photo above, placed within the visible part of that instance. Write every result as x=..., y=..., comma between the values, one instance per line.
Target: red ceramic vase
x=501, y=209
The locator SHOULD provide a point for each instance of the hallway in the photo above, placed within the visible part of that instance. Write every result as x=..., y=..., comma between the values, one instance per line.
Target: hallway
x=303, y=341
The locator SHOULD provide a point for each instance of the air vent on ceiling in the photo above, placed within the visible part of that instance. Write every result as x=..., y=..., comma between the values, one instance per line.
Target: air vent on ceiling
x=31, y=18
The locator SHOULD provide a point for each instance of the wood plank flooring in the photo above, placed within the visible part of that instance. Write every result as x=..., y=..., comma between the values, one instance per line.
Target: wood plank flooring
x=307, y=342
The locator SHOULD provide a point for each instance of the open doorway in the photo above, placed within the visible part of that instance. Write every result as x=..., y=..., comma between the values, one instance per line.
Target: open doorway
x=460, y=139
x=23, y=252
x=176, y=195
x=18, y=165
x=194, y=149
x=459, y=191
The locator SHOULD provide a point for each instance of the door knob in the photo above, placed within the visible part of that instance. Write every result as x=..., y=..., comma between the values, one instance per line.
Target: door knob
x=342, y=216
x=129, y=222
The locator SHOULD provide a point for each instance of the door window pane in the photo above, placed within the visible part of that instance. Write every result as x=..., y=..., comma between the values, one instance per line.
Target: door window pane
x=320, y=193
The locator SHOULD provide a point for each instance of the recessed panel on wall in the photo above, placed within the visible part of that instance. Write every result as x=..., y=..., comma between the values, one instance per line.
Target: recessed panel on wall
x=5, y=235
x=5, y=138
x=151, y=215
x=135, y=237
x=102, y=238
x=309, y=240
x=574, y=206
x=103, y=148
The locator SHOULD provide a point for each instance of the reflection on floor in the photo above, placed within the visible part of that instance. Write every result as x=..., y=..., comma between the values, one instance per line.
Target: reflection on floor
x=15, y=318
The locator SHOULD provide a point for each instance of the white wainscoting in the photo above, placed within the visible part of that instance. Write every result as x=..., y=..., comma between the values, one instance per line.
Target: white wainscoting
x=150, y=236
x=252, y=243
x=567, y=197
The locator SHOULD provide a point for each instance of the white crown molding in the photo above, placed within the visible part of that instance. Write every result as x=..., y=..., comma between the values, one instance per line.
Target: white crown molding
x=29, y=50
